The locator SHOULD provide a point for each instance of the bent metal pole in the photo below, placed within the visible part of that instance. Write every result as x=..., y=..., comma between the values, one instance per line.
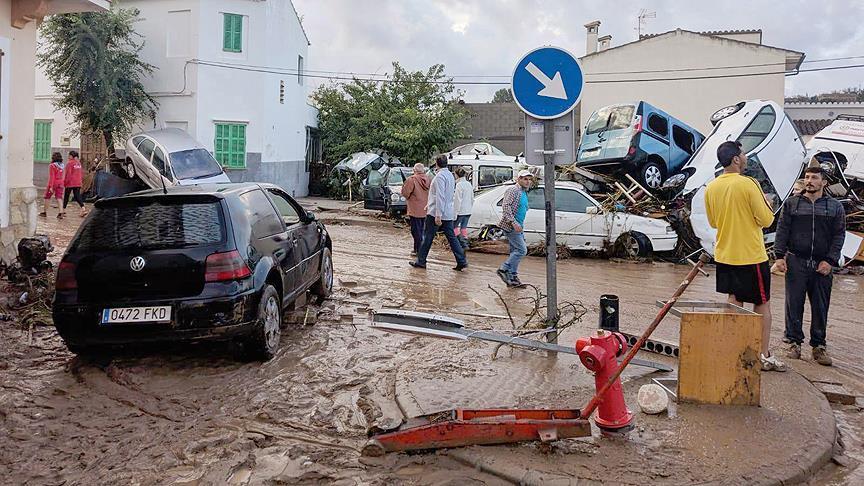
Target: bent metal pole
x=595, y=401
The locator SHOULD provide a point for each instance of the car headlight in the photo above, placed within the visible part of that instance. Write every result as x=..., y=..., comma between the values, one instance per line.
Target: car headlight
x=395, y=197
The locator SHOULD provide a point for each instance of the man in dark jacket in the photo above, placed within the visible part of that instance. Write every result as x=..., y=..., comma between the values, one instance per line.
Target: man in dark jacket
x=810, y=235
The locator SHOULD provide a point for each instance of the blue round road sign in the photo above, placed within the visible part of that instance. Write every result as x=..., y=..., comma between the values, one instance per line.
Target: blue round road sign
x=547, y=82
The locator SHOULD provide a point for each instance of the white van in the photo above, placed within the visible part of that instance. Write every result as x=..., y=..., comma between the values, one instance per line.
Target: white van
x=484, y=171
x=843, y=141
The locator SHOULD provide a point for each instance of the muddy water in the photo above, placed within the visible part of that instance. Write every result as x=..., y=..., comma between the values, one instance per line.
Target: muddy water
x=195, y=416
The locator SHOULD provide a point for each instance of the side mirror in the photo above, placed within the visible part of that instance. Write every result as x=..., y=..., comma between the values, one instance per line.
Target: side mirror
x=592, y=210
x=310, y=217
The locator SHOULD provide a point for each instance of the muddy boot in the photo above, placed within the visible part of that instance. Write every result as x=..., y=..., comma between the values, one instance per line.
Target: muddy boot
x=820, y=355
x=794, y=351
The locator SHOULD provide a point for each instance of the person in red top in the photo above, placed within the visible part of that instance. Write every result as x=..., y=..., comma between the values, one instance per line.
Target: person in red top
x=73, y=180
x=55, y=185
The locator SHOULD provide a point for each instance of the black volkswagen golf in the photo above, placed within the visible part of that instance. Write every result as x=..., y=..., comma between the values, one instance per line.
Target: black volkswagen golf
x=190, y=263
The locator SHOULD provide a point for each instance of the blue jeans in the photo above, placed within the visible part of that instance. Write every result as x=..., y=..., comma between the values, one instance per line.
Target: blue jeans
x=518, y=249
x=462, y=221
x=429, y=233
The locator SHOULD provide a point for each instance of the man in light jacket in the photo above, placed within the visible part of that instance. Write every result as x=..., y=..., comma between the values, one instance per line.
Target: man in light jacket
x=440, y=213
x=416, y=193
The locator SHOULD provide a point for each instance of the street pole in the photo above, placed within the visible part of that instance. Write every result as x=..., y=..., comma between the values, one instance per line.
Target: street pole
x=551, y=245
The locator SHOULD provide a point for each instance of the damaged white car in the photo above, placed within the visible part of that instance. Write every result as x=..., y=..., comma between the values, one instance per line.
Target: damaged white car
x=168, y=157
x=581, y=223
x=776, y=159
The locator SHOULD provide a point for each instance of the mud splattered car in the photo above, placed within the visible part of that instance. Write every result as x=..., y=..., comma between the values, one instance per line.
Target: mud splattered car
x=208, y=262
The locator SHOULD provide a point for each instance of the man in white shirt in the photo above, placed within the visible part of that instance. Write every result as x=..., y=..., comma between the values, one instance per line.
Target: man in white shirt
x=440, y=213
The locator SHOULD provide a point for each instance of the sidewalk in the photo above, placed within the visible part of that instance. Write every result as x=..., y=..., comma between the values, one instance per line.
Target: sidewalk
x=784, y=441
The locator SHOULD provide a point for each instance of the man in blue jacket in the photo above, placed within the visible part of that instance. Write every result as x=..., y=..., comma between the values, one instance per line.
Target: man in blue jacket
x=810, y=235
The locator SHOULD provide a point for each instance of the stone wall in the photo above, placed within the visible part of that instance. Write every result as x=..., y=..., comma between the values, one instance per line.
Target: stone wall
x=22, y=221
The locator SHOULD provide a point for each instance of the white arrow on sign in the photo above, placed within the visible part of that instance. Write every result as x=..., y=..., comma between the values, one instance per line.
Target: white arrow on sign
x=552, y=88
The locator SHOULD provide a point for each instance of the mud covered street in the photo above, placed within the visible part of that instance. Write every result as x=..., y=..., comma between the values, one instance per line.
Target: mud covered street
x=193, y=415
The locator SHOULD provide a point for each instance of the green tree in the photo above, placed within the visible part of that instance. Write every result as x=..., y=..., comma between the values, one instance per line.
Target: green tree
x=503, y=95
x=411, y=115
x=92, y=59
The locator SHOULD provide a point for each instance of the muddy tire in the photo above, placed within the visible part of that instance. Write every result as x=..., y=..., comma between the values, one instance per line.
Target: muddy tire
x=263, y=343
x=633, y=245
x=324, y=286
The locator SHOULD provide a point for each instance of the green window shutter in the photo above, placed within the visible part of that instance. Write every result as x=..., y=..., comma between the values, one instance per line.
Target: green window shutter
x=230, y=145
x=42, y=141
x=232, y=33
x=238, y=33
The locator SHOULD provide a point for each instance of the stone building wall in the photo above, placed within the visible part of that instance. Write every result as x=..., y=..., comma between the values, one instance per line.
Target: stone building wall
x=22, y=221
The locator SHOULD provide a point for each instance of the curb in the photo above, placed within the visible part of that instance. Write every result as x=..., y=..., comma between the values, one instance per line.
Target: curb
x=810, y=459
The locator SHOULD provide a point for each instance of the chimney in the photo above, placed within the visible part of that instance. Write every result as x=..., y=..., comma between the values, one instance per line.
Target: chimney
x=605, y=42
x=591, y=40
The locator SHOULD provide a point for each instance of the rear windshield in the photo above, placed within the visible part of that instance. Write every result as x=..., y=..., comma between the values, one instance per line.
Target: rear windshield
x=194, y=164
x=610, y=118
x=154, y=225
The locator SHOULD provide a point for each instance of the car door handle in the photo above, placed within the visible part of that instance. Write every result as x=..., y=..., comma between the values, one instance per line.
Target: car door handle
x=280, y=254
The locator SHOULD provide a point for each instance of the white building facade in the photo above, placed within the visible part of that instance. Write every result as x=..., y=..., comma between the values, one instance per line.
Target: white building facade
x=230, y=72
x=688, y=74
x=18, y=24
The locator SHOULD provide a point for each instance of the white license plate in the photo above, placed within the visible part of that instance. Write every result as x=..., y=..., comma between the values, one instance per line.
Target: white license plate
x=121, y=315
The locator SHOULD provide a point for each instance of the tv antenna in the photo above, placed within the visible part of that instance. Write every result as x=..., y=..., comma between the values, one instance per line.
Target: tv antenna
x=641, y=20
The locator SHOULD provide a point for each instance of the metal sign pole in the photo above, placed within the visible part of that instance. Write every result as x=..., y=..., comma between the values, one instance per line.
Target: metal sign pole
x=551, y=245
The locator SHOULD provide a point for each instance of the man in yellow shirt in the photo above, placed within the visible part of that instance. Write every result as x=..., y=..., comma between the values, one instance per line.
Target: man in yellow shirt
x=739, y=210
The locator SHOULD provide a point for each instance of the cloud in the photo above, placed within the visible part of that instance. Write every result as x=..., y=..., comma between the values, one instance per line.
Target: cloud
x=486, y=37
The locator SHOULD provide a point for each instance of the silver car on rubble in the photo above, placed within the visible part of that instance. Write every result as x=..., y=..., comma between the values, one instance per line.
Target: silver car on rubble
x=170, y=157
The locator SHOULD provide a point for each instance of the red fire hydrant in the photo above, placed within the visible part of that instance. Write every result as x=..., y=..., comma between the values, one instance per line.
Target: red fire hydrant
x=598, y=353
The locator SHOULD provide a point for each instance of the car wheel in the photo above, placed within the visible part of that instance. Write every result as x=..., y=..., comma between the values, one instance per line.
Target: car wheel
x=651, y=175
x=492, y=233
x=725, y=112
x=324, y=286
x=633, y=245
x=264, y=341
x=130, y=169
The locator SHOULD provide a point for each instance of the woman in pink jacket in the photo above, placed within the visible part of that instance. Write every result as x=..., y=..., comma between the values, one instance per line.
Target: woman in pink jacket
x=55, y=185
x=73, y=177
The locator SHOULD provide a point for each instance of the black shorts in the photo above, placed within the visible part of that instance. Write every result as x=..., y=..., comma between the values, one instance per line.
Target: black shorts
x=748, y=283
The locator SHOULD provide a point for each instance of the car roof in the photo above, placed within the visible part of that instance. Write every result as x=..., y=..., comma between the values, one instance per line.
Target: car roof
x=219, y=191
x=508, y=160
x=173, y=139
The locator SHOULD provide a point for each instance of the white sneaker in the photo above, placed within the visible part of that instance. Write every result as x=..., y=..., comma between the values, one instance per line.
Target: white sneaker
x=771, y=363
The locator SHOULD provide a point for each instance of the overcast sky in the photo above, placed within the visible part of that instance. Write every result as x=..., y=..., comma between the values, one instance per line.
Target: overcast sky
x=486, y=37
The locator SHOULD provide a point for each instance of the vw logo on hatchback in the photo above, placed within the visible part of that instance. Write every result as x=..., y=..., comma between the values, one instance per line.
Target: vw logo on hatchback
x=137, y=264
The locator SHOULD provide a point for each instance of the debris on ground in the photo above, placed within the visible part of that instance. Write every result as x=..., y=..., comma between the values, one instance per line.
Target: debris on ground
x=25, y=296
x=836, y=392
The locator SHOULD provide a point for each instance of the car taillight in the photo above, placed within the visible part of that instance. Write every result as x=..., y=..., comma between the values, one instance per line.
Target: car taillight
x=221, y=267
x=637, y=127
x=66, y=277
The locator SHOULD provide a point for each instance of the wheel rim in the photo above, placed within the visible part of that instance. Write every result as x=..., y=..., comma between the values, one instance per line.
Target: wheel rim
x=653, y=176
x=271, y=323
x=327, y=272
x=495, y=234
x=724, y=112
x=130, y=170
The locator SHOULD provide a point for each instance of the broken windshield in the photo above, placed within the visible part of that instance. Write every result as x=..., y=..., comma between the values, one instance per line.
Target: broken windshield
x=610, y=118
